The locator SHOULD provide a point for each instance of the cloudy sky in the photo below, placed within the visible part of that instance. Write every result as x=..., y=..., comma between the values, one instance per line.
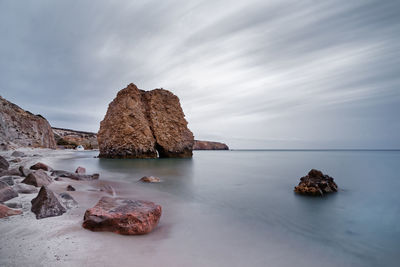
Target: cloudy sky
x=254, y=74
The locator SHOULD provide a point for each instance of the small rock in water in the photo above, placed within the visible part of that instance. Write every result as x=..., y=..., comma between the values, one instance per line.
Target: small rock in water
x=70, y=188
x=107, y=188
x=25, y=188
x=38, y=178
x=75, y=176
x=18, y=154
x=6, y=192
x=80, y=170
x=46, y=204
x=150, y=179
x=41, y=166
x=316, y=184
x=4, y=164
x=6, y=211
x=122, y=216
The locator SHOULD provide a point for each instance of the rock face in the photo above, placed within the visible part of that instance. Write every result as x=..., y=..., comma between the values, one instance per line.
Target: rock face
x=46, y=204
x=6, y=211
x=122, y=216
x=141, y=124
x=20, y=128
x=38, y=178
x=208, y=145
x=67, y=138
x=316, y=184
x=6, y=192
x=4, y=164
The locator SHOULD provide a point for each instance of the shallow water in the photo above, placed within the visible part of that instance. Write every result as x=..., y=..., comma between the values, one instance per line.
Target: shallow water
x=236, y=208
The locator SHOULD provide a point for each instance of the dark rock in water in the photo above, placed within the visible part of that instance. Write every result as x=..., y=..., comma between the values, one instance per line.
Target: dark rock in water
x=16, y=160
x=38, y=178
x=6, y=192
x=6, y=211
x=8, y=180
x=76, y=176
x=46, y=204
x=13, y=172
x=122, y=216
x=316, y=184
x=18, y=154
x=138, y=124
x=4, y=164
x=150, y=179
x=70, y=188
x=80, y=170
x=68, y=201
x=25, y=188
x=24, y=171
x=41, y=166
x=14, y=205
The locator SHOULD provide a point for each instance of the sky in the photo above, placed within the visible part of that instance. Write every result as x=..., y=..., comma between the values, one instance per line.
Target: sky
x=252, y=74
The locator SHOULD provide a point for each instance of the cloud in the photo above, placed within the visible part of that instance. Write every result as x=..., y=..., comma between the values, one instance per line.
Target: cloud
x=265, y=72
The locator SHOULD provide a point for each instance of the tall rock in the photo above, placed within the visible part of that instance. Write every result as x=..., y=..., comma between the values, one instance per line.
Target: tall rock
x=138, y=124
x=20, y=128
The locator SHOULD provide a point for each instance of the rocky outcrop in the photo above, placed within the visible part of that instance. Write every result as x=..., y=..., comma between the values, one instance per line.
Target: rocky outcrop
x=122, y=216
x=142, y=124
x=46, y=204
x=316, y=184
x=209, y=145
x=6, y=192
x=20, y=128
x=37, y=178
x=67, y=138
x=6, y=211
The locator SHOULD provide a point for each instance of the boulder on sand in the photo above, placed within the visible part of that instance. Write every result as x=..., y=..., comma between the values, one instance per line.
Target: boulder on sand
x=38, y=178
x=4, y=164
x=6, y=211
x=46, y=204
x=316, y=184
x=41, y=166
x=6, y=192
x=122, y=216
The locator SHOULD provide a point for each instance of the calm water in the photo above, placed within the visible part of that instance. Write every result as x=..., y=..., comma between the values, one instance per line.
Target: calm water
x=238, y=207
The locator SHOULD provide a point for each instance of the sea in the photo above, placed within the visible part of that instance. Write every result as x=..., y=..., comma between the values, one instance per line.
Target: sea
x=238, y=208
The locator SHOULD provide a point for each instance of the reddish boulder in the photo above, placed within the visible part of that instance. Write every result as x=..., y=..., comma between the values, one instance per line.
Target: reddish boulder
x=6, y=211
x=46, y=204
x=316, y=184
x=6, y=192
x=122, y=216
x=37, y=178
x=41, y=166
x=80, y=170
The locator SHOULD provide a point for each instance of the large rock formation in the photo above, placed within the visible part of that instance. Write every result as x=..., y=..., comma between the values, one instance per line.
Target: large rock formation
x=208, y=145
x=315, y=183
x=138, y=124
x=20, y=128
x=122, y=216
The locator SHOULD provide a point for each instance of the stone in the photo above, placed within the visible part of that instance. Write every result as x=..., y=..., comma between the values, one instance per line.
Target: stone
x=80, y=170
x=70, y=188
x=18, y=154
x=13, y=205
x=25, y=188
x=46, y=204
x=68, y=201
x=16, y=160
x=122, y=216
x=6, y=192
x=208, y=145
x=315, y=183
x=41, y=166
x=8, y=180
x=24, y=171
x=75, y=176
x=140, y=124
x=13, y=172
x=4, y=163
x=150, y=179
x=20, y=128
x=6, y=211
x=38, y=178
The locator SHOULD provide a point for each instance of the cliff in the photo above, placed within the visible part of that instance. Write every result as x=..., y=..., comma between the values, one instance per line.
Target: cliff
x=144, y=124
x=20, y=128
x=68, y=138
x=208, y=145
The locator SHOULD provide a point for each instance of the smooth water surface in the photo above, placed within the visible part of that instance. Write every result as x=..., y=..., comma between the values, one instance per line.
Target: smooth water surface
x=238, y=207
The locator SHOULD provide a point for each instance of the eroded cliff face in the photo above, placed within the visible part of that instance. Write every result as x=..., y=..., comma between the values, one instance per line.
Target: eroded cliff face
x=142, y=124
x=20, y=128
x=67, y=138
